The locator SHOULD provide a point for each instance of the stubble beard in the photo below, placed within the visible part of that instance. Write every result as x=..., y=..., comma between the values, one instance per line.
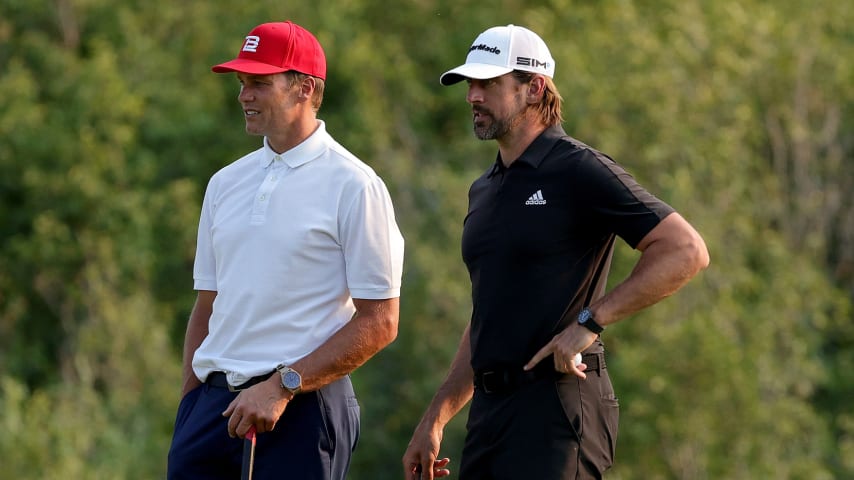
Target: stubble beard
x=492, y=128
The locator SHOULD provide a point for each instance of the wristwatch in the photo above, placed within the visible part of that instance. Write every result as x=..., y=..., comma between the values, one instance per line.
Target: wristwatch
x=291, y=379
x=585, y=318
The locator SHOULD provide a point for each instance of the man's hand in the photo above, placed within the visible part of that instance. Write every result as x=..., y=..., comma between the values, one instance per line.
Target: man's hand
x=419, y=461
x=573, y=340
x=260, y=405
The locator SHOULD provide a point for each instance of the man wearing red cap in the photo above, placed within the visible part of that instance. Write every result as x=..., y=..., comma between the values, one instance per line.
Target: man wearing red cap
x=298, y=268
x=537, y=241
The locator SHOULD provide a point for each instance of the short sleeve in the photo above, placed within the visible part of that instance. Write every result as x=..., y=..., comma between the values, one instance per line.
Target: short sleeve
x=617, y=203
x=372, y=243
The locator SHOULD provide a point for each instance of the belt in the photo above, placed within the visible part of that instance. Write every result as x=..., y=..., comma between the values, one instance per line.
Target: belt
x=219, y=380
x=503, y=380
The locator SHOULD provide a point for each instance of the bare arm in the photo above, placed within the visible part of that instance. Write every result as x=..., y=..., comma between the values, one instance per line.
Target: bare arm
x=457, y=389
x=672, y=253
x=371, y=329
x=373, y=326
x=197, y=330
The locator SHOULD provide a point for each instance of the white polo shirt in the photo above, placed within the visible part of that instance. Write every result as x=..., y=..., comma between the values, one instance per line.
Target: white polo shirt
x=287, y=240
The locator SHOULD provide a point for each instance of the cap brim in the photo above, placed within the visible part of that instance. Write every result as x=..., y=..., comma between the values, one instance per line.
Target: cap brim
x=480, y=71
x=251, y=67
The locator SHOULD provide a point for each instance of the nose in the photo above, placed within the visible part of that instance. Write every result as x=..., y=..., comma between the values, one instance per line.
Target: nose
x=475, y=93
x=245, y=94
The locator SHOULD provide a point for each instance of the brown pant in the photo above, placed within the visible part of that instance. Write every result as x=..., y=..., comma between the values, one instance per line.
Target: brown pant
x=548, y=430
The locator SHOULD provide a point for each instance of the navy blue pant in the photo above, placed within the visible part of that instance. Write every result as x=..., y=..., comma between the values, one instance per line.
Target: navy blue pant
x=314, y=438
x=549, y=430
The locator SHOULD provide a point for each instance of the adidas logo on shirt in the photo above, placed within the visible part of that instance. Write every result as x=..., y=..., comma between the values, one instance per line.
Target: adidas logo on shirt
x=536, y=199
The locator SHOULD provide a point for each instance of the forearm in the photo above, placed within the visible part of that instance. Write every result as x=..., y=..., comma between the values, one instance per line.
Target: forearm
x=197, y=330
x=672, y=255
x=421, y=459
x=371, y=329
x=455, y=392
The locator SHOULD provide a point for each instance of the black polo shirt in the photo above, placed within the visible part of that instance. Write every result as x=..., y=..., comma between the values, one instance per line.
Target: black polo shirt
x=538, y=240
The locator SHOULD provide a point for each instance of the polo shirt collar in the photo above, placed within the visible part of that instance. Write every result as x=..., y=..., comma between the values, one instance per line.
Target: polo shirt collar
x=536, y=151
x=310, y=148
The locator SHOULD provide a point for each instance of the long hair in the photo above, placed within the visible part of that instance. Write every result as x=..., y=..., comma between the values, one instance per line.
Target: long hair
x=549, y=108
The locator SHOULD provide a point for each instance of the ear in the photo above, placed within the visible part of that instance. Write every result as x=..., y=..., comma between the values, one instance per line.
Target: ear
x=536, y=89
x=307, y=87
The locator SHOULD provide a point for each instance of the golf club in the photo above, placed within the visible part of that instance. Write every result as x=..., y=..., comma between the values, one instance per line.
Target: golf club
x=248, y=454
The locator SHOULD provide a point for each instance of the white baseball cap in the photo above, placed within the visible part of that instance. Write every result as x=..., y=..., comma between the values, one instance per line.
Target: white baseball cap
x=501, y=50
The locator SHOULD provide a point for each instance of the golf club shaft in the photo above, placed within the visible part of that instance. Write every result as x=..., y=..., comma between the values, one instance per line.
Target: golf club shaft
x=248, y=454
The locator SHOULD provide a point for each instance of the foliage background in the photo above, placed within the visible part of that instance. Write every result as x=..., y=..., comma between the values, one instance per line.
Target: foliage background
x=737, y=112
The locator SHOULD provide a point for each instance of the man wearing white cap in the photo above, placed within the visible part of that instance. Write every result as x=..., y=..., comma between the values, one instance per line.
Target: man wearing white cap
x=537, y=241
x=298, y=268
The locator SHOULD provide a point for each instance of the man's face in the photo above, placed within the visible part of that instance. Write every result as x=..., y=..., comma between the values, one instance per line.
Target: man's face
x=267, y=102
x=498, y=105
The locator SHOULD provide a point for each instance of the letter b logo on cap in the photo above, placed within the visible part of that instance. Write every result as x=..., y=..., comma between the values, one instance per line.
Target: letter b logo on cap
x=251, y=43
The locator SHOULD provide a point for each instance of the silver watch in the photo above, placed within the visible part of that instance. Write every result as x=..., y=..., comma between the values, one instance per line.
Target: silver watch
x=291, y=379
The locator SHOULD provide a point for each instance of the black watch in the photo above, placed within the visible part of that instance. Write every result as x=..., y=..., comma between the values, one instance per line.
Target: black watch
x=291, y=379
x=585, y=318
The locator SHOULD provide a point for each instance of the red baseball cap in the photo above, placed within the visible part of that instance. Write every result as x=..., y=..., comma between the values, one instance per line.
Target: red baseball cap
x=275, y=48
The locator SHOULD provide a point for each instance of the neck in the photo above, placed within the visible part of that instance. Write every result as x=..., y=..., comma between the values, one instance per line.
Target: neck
x=295, y=134
x=513, y=144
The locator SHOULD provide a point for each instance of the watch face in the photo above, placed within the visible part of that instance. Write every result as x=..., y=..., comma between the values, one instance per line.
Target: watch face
x=291, y=380
x=584, y=316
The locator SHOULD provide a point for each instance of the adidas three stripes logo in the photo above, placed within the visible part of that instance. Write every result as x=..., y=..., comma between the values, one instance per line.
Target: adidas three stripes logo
x=536, y=199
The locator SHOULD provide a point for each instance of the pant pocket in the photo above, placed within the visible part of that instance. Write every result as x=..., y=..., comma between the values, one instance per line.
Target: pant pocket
x=609, y=419
x=185, y=406
x=594, y=415
x=354, y=414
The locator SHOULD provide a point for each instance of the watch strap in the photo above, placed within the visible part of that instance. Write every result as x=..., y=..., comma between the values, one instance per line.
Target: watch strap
x=585, y=318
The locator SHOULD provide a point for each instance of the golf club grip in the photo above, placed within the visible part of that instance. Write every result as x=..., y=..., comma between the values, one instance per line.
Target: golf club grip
x=248, y=454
